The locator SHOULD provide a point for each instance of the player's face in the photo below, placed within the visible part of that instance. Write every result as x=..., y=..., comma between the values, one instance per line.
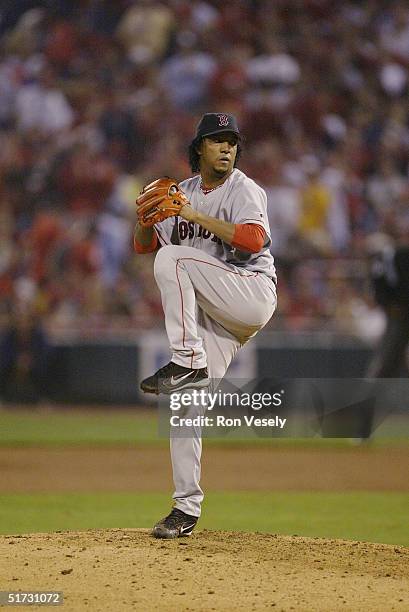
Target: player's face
x=218, y=153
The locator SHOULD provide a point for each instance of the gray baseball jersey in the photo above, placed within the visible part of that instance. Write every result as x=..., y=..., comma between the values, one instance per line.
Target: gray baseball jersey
x=238, y=200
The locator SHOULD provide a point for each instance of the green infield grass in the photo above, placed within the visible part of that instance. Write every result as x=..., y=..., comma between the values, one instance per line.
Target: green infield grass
x=119, y=427
x=374, y=517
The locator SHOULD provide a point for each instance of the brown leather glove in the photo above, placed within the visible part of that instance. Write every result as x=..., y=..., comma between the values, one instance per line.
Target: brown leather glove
x=159, y=200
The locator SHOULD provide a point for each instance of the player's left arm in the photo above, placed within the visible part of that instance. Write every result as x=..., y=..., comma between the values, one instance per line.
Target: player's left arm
x=244, y=236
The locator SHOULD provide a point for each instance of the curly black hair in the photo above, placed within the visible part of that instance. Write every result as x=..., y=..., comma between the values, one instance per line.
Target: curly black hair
x=194, y=157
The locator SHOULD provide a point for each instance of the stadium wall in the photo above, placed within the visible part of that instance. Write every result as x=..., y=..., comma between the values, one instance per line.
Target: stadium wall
x=109, y=371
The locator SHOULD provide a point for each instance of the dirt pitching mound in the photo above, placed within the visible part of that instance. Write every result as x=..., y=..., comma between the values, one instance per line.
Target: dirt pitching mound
x=126, y=569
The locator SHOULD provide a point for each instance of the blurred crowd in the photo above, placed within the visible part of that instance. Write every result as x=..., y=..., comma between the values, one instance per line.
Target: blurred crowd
x=99, y=97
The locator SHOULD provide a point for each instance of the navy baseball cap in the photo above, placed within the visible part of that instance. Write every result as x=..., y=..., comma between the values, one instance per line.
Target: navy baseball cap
x=213, y=123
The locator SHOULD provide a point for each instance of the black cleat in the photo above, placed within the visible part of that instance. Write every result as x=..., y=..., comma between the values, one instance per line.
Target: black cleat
x=173, y=377
x=176, y=525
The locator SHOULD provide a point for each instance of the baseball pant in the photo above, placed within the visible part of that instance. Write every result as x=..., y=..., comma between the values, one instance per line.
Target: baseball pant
x=211, y=309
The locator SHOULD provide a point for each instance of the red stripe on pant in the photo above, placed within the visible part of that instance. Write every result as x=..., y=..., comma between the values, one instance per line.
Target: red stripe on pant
x=183, y=314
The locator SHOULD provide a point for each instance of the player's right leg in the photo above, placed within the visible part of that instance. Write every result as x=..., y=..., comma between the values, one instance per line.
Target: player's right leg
x=186, y=446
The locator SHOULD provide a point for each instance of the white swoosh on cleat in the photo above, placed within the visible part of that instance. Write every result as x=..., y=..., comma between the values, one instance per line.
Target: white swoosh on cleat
x=178, y=379
x=187, y=528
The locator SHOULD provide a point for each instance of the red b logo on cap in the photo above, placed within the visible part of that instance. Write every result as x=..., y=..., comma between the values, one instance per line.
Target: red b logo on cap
x=223, y=120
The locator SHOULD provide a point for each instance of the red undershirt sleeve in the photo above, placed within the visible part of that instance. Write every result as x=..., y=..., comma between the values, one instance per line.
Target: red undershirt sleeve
x=249, y=237
x=141, y=249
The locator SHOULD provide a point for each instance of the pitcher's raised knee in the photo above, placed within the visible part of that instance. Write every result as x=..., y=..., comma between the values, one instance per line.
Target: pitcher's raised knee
x=165, y=257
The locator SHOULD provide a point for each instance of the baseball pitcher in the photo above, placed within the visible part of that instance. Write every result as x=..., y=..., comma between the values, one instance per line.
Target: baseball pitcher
x=217, y=281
